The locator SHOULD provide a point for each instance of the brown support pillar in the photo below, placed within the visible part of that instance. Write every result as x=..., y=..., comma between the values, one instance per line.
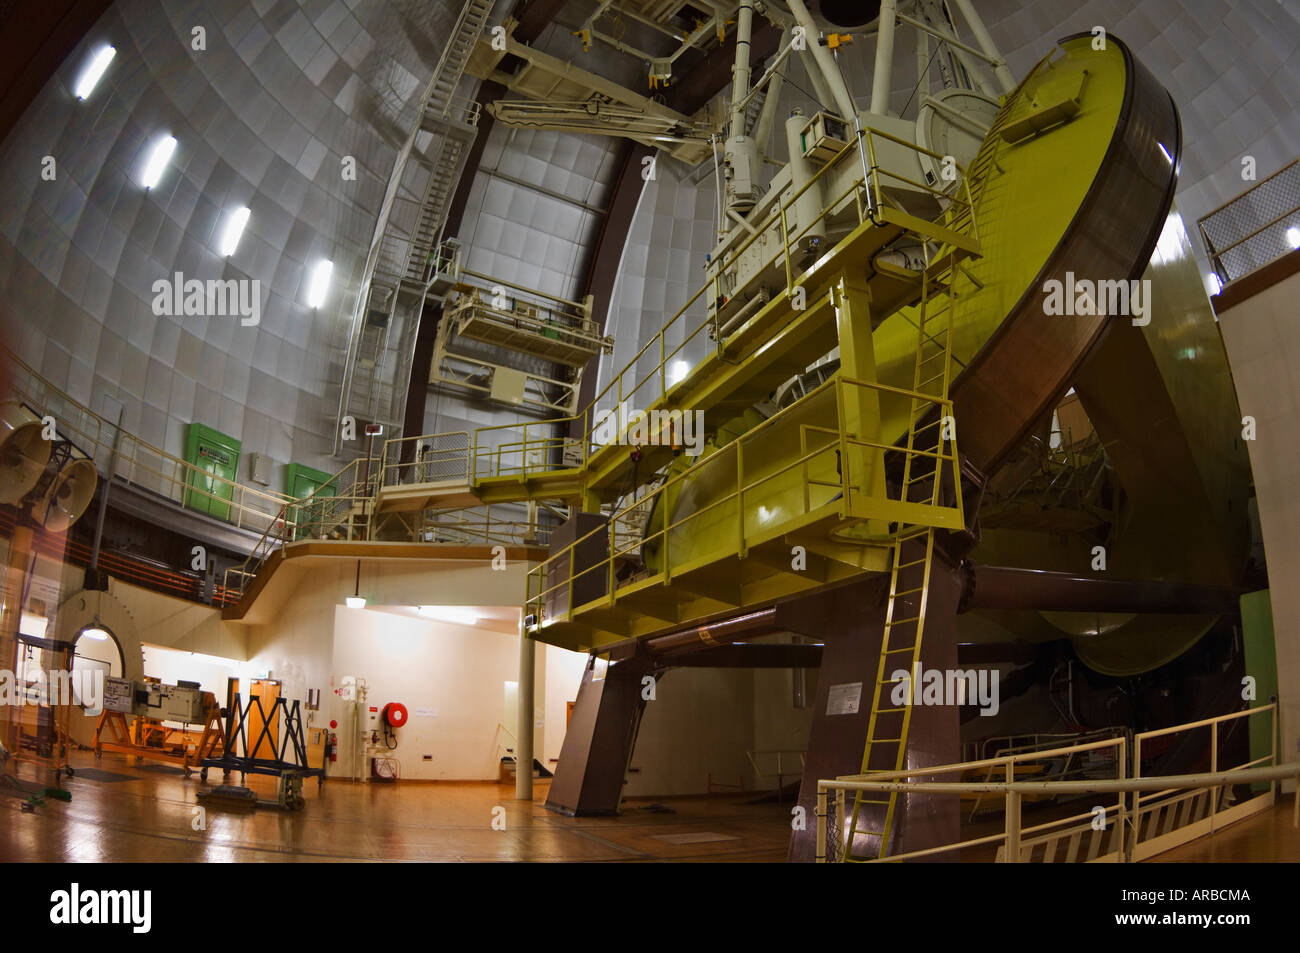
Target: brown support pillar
x=602, y=732
x=851, y=632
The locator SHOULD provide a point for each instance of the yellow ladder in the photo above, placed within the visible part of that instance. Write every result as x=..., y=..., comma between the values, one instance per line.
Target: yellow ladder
x=900, y=648
x=931, y=375
x=913, y=554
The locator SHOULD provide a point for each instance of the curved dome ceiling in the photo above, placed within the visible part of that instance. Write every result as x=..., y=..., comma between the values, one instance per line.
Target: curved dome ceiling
x=264, y=115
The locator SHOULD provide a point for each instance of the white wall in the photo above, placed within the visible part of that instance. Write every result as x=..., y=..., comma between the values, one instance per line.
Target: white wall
x=778, y=725
x=563, y=677
x=210, y=671
x=1263, y=341
x=704, y=721
x=457, y=671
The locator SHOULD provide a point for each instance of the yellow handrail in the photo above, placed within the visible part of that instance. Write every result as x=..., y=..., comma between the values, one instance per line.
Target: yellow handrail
x=617, y=389
x=536, y=594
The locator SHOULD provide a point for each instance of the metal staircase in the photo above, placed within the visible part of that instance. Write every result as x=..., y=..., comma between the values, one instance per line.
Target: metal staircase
x=376, y=370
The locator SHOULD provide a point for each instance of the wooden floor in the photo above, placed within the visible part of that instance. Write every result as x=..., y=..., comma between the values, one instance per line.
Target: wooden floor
x=150, y=816
x=1268, y=837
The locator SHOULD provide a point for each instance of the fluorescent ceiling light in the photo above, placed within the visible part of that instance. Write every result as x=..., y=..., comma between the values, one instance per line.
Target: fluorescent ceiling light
x=356, y=602
x=456, y=614
x=90, y=76
x=98, y=634
x=158, y=159
x=1293, y=237
x=234, y=229
x=320, y=283
x=33, y=625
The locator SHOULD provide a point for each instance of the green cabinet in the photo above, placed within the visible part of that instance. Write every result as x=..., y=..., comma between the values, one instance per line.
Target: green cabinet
x=210, y=487
x=300, y=481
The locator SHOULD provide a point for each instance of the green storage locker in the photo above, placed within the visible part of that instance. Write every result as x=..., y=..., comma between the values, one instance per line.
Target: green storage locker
x=301, y=481
x=217, y=455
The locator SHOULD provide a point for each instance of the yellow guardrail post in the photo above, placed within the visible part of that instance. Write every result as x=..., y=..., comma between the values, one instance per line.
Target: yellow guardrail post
x=741, y=549
x=785, y=248
x=612, y=546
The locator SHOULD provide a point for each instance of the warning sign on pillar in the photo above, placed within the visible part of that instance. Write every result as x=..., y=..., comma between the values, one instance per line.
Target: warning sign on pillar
x=844, y=699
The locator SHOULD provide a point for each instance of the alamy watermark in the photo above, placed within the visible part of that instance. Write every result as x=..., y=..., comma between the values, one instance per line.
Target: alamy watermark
x=83, y=687
x=639, y=428
x=1107, y=297
x=191, y=297
x=75, y=906
x=952, y=686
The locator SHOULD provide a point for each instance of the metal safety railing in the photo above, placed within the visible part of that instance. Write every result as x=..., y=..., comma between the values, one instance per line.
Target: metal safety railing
x=464, y=110
x=1255, y=228
x=343, y=509
x=139, y=463
x=1073, y=763
x=779, y=763
x=537, y=449
x=483, y=525
x=1147, y=816
x=553, y=319
x=830, y=479
x=432, y=458
x=1034, y=741
x=333, y=510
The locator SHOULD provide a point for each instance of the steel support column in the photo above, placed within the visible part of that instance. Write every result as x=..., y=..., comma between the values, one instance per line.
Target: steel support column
x=599, y=741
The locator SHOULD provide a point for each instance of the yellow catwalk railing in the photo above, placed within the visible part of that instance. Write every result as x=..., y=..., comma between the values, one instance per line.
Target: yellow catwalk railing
x=811, y=473
x=819, y=475
x=528, y=459
x=815, y=492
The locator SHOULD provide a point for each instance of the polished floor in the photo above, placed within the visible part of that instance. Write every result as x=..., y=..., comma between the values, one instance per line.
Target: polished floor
x=148, y=813
x=152, y=817
x=1271, y=836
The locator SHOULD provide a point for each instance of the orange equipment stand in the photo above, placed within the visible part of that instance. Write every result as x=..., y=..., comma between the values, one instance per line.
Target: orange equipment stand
x=153, y=741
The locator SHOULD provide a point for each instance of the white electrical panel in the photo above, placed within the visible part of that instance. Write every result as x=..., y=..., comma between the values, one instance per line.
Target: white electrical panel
x=259, y=468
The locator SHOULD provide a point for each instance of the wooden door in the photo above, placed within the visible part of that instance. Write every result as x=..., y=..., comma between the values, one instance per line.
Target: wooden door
x=268, y=690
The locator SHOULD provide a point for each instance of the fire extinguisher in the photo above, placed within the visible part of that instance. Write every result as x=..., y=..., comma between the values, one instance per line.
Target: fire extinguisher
x=332, y=744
